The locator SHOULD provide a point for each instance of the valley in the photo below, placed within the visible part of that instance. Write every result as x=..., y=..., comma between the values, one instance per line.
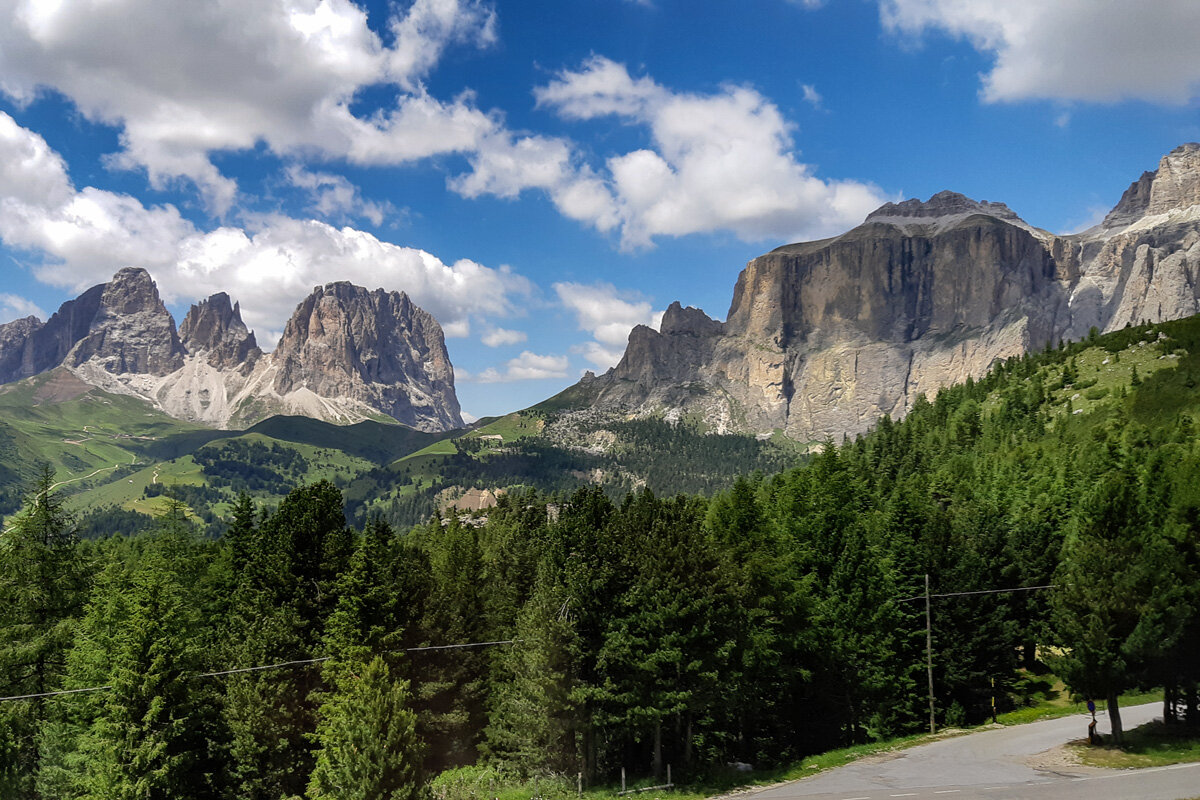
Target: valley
x=707, y=555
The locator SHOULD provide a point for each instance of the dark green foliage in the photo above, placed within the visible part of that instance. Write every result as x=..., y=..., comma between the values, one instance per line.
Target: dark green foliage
x=781, y=616
x=43, y=586
x=112, y=522
x=366, y=738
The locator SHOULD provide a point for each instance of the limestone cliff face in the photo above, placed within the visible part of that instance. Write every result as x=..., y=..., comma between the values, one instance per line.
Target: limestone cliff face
x=131, y=332
x=1142, y=263
x=822, y=338
x=214, y=328
x=346, y=355
x=376, y=347
x=17, y=348
x=117, y=327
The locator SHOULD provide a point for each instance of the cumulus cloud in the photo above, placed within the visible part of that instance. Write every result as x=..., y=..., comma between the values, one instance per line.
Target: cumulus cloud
x=84, y=236
x=721, y=161
x=608, y=315
x=525, y=367
x=15, y=307
x=183, y=79
x=499, y=337
x=333, y=196
x=1069, y=49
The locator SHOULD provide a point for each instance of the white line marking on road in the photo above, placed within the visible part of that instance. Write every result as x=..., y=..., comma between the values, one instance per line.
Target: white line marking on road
x=856, y=798
x=906, y=794
x=948, y=791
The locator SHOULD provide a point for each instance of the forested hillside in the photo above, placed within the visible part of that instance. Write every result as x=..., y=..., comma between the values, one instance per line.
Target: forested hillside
x=781, y=617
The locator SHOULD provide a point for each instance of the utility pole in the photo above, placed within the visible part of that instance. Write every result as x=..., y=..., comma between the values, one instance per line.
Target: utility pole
x=929, y=656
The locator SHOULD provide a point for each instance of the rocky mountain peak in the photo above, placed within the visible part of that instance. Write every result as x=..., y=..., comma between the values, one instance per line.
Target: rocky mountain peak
x=117, y=327
x=373, y=346
x=131, y=331
x=214, y=326
x=1174, y=185
x=678, y=320
x=942, y=204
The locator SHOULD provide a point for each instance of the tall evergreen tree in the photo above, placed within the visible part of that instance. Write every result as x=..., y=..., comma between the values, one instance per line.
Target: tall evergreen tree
x=367, y=745
x=1104, y=589
x=154, y=732
x=532, y=719
x=43, y=586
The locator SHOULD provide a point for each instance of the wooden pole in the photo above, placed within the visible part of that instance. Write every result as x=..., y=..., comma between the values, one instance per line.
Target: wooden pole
x=929, y=656
x=622, y=779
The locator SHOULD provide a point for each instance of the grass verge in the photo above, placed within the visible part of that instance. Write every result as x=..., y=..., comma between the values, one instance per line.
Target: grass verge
x=486, y=783
x=1151, y=745
x=1060, y=705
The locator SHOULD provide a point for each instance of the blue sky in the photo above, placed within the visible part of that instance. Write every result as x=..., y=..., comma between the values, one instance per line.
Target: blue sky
x=541, y=176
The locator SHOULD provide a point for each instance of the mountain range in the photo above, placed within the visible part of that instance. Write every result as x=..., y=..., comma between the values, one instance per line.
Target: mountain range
x=821, y=338
x=346, y=355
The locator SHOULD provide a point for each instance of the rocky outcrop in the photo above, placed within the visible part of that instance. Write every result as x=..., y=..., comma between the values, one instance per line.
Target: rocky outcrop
x=117, y=327
x=822, y=338
x=17, y=348
x=346, y=355
x=376, y=347
x=214, y=328
x=131, y=331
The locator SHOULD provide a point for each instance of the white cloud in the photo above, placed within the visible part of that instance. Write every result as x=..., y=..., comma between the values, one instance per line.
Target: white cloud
x=525, y=367
x=608, y=315
x=721, y=161
x=183, y=79
x=429, y=27
x=333, y=196
x=499, y=337
x=14, y=307
x=1069, y=49
x=812, y=96
x=84, y=236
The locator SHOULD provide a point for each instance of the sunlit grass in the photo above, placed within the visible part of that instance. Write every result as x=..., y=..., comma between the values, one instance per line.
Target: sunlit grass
x=1151, y=745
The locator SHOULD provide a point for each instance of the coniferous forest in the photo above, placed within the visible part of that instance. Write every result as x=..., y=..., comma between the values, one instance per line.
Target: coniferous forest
x=782, y=617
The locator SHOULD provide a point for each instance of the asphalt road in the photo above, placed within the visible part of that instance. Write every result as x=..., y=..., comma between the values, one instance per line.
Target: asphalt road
x=998, y=764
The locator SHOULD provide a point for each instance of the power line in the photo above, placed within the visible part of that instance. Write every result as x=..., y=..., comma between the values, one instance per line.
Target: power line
x=280, y=665
x=982, y=591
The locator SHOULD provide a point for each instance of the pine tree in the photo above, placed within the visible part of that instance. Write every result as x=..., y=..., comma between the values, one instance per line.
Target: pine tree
x=1104, y=589
x=367, y=746
x=154, y=732
x=43, y=587
x=285, y=590
x=531, y=726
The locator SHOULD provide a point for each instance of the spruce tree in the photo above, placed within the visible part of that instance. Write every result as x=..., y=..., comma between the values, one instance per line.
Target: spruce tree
x=154, y=731
x=1104, y=589
x=531, y=726
x=43, y=586
x=367, y=745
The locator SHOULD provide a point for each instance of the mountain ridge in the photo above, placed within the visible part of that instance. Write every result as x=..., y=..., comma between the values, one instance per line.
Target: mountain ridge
x=822, y=338
x=118, y=336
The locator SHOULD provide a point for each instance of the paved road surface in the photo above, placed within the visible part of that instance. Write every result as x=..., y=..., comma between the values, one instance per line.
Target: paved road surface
x=993, y=765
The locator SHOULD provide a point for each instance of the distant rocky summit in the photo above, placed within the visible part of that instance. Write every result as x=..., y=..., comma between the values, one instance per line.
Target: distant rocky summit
x=822, y=338
x=346, y=355
x=344, y=341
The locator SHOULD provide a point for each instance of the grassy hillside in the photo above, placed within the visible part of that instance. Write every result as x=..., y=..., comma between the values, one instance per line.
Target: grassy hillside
x=116, y=452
